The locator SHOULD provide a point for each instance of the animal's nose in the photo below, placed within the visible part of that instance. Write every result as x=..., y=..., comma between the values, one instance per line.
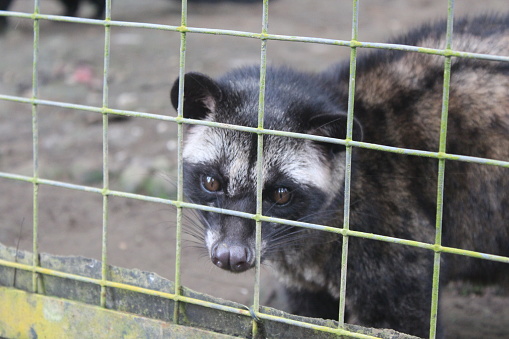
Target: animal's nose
x=232, y=258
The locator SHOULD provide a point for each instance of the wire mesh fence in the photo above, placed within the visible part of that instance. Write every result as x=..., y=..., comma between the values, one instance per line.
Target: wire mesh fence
x=180, y=204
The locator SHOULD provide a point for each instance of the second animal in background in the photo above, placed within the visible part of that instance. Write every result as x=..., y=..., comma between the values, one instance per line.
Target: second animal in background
x=72, y=7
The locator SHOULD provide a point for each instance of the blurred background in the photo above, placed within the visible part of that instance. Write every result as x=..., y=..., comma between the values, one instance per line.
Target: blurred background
x=143, y=65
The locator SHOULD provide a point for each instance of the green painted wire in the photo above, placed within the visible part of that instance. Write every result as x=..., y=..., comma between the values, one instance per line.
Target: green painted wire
x=372, y=236
x=348, y=162
x=278, y=37
x=354, y=44
x=180, y=167
x=441, y=173
x=35, y=146
x=367, y=145
x=259, y=166
x=105, y=104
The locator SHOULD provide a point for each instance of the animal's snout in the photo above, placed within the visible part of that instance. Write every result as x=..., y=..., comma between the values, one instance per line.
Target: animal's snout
x=233, y=258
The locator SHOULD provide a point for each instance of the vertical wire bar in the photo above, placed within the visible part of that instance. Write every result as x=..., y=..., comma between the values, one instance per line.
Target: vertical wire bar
x=35, y=147
x=441, y=173
x=180, y=167
x=106, y=184
x=259, y=162
x=348, y=162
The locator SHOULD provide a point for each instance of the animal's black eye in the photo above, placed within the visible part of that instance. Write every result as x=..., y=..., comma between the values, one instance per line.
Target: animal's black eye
x=210, y=183
x=281, y=195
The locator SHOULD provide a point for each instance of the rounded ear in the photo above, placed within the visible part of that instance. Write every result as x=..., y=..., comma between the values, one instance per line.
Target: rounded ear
x=201, y=95
x=334, y=126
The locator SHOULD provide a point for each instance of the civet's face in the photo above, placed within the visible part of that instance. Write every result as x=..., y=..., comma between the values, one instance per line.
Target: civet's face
x=300, y=178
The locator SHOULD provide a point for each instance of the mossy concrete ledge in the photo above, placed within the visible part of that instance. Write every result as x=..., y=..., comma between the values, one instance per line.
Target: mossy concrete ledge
x=138, y=305
x=29, y=315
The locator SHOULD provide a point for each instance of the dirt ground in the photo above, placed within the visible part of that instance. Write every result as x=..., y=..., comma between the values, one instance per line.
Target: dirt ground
x=144, y=63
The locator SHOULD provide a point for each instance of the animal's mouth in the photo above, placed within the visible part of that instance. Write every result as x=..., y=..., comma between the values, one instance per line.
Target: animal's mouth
x=234, y=258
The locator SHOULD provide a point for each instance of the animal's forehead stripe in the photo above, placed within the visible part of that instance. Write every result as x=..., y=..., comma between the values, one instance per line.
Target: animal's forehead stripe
x=300, y=160
x=198, y=146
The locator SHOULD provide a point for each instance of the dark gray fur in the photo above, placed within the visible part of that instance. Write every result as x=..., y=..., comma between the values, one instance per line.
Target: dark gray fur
x=397, y=103
x=72, y=7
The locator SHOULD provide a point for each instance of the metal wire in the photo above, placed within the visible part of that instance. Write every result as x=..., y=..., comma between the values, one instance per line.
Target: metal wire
x=348, y=163
x=441, y=173
x=378, y=147
x=448, y=53
x=35, y=147
x=259, y=165
x=104, y=245
x=252, y=35
x=180, y=168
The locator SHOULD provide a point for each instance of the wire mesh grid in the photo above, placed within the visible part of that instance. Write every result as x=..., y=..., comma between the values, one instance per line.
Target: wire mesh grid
x=448, y=53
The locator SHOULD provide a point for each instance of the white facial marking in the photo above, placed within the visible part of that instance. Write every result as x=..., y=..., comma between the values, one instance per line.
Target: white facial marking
x=199, y=140
x=305, y=163
x=300, y=160
x=211, y=238
x=238, y=172
x=306, y=166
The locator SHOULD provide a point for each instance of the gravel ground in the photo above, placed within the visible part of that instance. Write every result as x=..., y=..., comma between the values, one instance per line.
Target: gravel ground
x=144, y=64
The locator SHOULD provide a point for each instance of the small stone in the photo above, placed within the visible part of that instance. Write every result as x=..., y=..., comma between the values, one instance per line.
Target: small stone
x=133, y=176
x=127, y=101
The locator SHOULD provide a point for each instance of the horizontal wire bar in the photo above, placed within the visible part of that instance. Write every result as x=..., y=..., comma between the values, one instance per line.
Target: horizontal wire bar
x=360, y=144
x=245, y=215
x=276, y=37
x=172, y=296
x=263, y=36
